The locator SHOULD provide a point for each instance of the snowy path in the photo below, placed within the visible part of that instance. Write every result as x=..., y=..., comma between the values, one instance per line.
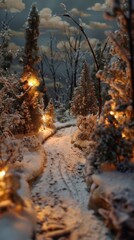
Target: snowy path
x=61, y=197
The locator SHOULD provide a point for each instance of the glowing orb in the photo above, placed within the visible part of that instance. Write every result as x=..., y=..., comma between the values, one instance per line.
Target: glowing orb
x=123, y=135
x=33, y=81
x=44, y=118
x=2, y=173
x=111, y=112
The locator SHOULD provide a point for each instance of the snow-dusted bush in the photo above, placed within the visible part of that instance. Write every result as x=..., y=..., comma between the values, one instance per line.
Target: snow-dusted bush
x=10, y=149
x=31, y=143
x=49, y=115
x=86, y=126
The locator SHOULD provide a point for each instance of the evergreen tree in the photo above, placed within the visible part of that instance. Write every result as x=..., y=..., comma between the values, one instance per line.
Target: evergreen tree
x=31, y=46
x=6, y=56
x=49, y=114
x=30, y=79
x=84, y=99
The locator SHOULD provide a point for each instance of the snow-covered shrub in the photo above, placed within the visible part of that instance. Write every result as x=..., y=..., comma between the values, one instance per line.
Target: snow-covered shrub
x=31, y=143
x=61, y=115
x=49, y=115
x=10, y=149
x=86, y=126
x=109, y=146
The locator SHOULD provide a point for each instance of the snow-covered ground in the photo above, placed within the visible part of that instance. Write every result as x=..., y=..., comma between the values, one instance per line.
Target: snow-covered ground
x=60, y=194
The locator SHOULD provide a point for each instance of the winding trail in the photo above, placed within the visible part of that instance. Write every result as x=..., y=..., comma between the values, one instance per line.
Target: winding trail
x=60, y=195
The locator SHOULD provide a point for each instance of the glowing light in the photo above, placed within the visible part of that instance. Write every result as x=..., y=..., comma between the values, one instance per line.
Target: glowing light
x=106, y=121
x=33, y=81
x=44, y=118
x=47, y=118
x=2, y=173
x=123, y=135
x=41, y=129
x=111, y=112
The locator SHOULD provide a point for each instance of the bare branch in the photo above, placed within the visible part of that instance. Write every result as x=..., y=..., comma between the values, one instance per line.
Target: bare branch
x=85, y=35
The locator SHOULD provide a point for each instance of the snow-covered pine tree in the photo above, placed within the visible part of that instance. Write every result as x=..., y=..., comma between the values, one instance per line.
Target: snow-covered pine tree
x=50, y=114
x=6, y=56
x=30, y=79
x=84, y=99
x=31, y=57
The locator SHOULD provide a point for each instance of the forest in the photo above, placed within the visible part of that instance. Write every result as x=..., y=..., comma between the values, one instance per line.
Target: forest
x=67, y=120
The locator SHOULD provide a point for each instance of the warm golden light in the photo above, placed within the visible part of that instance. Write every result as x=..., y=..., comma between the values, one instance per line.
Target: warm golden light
x=106, y=121
x=2, y=173
x=47, y=120
x=123, y=135
x=33, y=81
x=111, y=112
x=44, y=118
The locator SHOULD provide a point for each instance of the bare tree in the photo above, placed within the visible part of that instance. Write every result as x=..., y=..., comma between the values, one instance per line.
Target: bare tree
x=72, y=58
x=52, y=62
x=96, y=61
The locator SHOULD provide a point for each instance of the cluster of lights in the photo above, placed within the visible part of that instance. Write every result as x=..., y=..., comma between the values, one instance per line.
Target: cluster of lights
x=113, y=114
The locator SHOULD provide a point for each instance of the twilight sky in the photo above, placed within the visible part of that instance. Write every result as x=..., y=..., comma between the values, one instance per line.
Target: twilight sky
x=90, y=12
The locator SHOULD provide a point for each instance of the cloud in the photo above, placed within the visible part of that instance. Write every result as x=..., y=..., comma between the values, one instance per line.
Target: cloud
x=99, y=25
x=2, y=4
x=85, y=46
x=98, y=7
x=75, y=11
x=95, y=25
x=101, y=7
x=16, y=33
x=13, y=6
x=13, y=47
x=64, y=45
x=108, y=3
x=49, y=21
x=47, y=51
